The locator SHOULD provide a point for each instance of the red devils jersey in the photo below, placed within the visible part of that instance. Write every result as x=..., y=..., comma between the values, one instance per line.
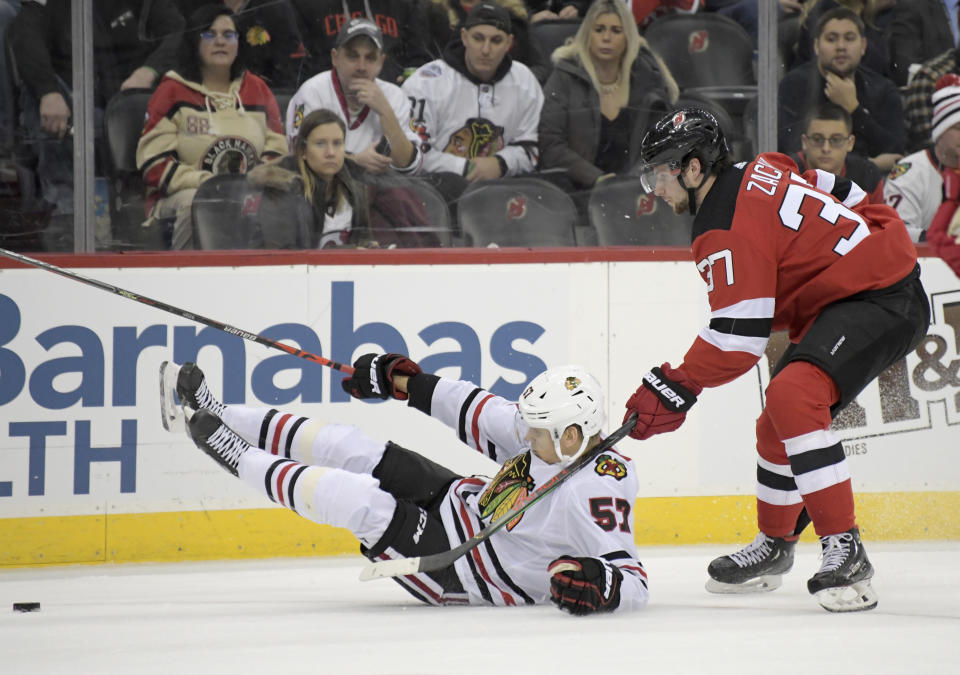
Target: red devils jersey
x=774, y=248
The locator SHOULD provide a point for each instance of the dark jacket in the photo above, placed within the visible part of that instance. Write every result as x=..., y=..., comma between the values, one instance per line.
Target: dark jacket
x=859, y=169
x=918, y=32
x=877, y=122
x=127, y=34
x=401, y=22
x=570, y=121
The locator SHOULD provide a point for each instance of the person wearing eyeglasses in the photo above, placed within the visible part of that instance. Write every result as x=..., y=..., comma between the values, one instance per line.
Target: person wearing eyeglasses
x=827, y=143
x=207, y=117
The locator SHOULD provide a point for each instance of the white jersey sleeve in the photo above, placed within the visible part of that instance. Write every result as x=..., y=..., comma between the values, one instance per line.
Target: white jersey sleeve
x=429, y=90
x=521, y=152
x=914, y=189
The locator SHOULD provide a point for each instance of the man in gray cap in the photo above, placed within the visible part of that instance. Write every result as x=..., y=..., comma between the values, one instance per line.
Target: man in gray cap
x=374, y=111
x=476, y=110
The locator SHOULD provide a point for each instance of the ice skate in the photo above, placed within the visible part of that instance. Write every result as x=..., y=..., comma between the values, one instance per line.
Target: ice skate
x=171, y=411
x=756, y=568
x=192, y=389
x=216, y=439
x=843, y=582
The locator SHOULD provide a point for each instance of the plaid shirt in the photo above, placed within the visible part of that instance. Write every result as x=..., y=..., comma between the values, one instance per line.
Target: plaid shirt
x=917, y=107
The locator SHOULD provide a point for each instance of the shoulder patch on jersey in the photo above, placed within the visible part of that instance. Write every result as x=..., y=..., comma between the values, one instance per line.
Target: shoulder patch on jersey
x=298, y=115
x=899, y=169
x=610, y=466
x=508, y=487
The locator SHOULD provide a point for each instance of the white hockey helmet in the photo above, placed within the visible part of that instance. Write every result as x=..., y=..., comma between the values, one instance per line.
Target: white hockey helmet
x=559, y=397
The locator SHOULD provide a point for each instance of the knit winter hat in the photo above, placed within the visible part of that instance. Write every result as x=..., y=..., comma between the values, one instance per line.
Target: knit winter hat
x=946, y=104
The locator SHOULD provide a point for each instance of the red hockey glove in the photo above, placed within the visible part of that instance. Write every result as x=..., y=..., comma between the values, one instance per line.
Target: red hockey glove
x=584, y=585
x=662, y=401
x=373, y=376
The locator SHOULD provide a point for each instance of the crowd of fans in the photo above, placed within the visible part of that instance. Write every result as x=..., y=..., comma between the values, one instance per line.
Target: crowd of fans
x=448, y=94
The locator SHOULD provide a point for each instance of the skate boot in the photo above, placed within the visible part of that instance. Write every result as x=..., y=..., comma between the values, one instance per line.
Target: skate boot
x=216, y=439
x=193, y=392
x=756, y=568
x=843, y=582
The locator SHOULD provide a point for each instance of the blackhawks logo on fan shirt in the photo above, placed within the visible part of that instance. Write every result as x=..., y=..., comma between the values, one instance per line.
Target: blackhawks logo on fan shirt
x=509, y=485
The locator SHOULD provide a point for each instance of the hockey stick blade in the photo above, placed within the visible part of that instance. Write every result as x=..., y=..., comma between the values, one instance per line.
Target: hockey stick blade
x=143, y=299
x=403, y=566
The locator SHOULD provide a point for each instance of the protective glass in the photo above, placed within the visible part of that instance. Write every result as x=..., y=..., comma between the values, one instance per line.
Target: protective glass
x=651, y=174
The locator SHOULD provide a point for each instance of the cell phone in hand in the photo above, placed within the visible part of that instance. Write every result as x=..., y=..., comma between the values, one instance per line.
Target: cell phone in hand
x=383, y=147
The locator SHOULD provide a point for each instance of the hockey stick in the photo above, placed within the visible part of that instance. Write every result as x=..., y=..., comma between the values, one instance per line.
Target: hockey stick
x=226, y=328
x=428, y=563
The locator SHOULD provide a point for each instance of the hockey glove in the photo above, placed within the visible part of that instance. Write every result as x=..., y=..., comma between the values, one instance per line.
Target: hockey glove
x=373, y=376
x=662, y=401
x=584, y=585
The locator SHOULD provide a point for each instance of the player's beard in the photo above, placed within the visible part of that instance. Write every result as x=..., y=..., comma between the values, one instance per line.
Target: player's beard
x=682, y=204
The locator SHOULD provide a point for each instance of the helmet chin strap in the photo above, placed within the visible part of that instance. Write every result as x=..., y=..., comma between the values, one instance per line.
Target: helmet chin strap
x=692, y=191
x=566, y=459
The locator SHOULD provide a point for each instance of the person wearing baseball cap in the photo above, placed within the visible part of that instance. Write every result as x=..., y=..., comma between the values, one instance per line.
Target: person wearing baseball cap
x=371, y=108
x=919, y=182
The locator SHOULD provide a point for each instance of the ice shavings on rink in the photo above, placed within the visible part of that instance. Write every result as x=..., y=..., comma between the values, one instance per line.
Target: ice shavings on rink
x=313, y=616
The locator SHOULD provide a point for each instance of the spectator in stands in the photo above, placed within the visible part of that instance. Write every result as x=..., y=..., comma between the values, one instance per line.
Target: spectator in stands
x=376, y=112
x=917, y=108
x=341, y=209
x=606, y=88
x=920, y=30
x=402, y=22
x=551, y=10
x=476, y=110
x=209, y=116
x=944, y=232
x=837, y=76
x=8, y=10
x=875, y=15
x=446, y=18
x=269, y=39
x=915, y=185
x=130, y=48
x=827, y=141
x=747, y=12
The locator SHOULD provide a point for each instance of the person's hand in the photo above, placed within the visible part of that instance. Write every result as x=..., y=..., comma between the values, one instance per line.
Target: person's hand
x=606, y=176
x=842, y=91
x=791, y=6
x=371, y=160
x=543, y=15
x=54, y=114
x=483, y=168
x=141, y=78
x=373, y=376
x=569, y=12
x=584, y=585
x=886, y=160
x=369, y=93
x=661, y=402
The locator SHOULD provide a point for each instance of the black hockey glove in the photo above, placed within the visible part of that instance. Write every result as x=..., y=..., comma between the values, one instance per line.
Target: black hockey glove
x=584, y=585
x=373, y=376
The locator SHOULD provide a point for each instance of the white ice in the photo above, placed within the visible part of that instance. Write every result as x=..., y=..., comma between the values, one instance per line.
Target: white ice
x=313, y=616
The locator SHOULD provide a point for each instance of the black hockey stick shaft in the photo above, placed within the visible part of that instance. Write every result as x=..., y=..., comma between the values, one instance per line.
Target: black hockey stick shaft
x=436, y=561
x=219, y=325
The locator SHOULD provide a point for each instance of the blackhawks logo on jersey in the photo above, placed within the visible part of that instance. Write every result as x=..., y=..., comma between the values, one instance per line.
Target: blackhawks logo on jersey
x=609, y=466
x=898, y=170
x=511, y=484
x=477, y=138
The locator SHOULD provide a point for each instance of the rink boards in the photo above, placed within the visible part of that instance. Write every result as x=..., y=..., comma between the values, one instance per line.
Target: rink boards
x=88, y=474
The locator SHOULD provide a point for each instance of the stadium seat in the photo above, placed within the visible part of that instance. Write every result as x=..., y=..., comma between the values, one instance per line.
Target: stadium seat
x=623, y=214
x=431, y=208
x=222, y=210
x=553, y=33
x=707, y=53
x=519, y=211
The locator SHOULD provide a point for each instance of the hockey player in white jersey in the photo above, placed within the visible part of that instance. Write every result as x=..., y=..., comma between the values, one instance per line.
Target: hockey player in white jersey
x=476, y=110
x=376, y=113
x=574, y=548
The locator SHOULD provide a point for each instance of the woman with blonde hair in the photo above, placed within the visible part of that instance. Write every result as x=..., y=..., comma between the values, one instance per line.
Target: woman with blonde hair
x=606, y=89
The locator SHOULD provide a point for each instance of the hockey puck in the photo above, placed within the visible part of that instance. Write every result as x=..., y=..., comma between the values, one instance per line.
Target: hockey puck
x=26, y=607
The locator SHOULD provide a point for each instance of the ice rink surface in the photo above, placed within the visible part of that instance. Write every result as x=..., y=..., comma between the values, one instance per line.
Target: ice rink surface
x=313, y=616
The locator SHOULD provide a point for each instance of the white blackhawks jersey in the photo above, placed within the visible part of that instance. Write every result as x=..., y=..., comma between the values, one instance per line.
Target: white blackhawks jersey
x=914, y=188
x=457, y=119
x=363, y=128
x=589, y=515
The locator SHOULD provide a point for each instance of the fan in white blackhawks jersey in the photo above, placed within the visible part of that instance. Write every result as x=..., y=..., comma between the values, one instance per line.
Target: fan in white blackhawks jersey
x=574, y=548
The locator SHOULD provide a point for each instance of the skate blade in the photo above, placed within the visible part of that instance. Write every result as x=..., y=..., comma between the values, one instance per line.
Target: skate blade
x=857, y=597
x=763, y=584
x=171, y=414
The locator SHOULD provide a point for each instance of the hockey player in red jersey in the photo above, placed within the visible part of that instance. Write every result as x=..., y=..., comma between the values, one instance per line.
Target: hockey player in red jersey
x=574, y=548
x=801, y=253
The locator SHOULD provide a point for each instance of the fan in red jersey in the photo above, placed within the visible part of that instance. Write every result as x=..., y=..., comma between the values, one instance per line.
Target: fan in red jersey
x=809, y=255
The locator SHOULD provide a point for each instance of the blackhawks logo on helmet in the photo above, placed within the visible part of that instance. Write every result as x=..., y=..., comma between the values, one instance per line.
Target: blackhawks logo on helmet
x=512, y=484
x=571, y=383
x=607, y=465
